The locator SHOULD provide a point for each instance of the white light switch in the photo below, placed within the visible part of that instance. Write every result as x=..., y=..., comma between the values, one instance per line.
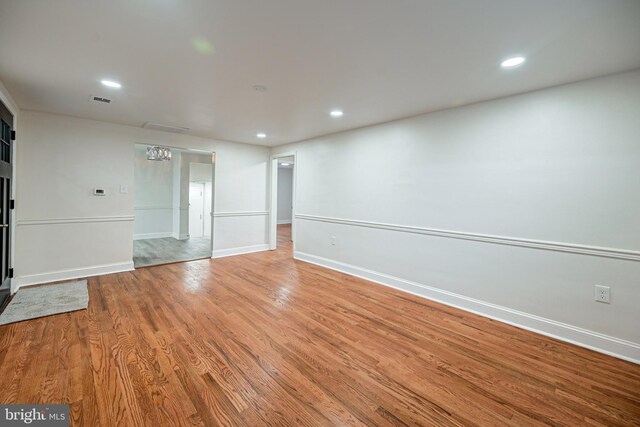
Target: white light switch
x=124, y=189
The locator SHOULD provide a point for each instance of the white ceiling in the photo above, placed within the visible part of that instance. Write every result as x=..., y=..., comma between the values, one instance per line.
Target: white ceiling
x=377, y=60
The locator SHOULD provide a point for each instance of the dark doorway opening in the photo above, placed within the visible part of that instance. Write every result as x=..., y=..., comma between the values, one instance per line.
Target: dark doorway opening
x=6, y=204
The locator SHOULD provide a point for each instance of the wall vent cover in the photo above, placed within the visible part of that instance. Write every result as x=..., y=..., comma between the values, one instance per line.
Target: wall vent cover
x=165, y=128
x=101, y=99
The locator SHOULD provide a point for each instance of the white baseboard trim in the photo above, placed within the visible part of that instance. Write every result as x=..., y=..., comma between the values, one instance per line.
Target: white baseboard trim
x=179, y=236
x=284, y=221
x=152, y=235
x=76, y=273
x=612, y=346
x=221, y=253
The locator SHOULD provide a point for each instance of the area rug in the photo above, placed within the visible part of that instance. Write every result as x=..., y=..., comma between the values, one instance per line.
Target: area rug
x=31, y=303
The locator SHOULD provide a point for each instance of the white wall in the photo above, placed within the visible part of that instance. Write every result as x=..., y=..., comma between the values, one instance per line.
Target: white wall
x=461, y=206
x=285, y=194
x=65, y=231
x=201, y=172
x=152, y=195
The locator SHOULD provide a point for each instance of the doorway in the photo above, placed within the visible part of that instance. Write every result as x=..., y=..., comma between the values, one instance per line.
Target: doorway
x=283, y=188
x=173, y=205
x=6, y=203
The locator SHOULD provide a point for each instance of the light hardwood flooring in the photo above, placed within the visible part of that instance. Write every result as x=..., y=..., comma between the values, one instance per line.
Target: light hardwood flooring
x=165, y=250
x=261, y=339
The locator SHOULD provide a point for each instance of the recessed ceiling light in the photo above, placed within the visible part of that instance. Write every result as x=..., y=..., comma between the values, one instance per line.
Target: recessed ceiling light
x=111, y=83
x=285, y=164
x=513, y=62
x=261, y=135
x=336, y=113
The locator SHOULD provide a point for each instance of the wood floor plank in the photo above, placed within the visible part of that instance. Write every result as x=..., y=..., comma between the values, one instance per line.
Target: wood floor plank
x=262, y=339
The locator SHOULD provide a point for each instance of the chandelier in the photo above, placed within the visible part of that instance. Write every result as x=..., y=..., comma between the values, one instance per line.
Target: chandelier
x=158, y=153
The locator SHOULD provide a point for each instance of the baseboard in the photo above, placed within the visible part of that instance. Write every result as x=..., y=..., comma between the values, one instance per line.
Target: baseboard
x=179, y=236
x=55, y=276
x=612, y=346
x=221, y=253
x=284, y=221
x=145, y=236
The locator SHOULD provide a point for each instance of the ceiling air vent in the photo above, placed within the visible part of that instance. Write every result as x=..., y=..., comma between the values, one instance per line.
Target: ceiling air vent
x=165, y=128
x=94, y=98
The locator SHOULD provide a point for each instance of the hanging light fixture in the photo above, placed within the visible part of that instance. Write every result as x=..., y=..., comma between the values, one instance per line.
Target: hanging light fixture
x=158, y=153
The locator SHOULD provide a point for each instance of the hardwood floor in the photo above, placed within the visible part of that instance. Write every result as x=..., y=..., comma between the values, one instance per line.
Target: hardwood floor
x=261, y=339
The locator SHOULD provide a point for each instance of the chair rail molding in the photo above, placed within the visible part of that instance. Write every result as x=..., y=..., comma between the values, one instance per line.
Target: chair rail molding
x=240, y=213
x=152, y=207
x=624, y=254
x=74, y=220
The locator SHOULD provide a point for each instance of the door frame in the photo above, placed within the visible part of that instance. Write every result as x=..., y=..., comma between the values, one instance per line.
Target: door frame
x=8, y=102
x=214, y=162
x=273, y=208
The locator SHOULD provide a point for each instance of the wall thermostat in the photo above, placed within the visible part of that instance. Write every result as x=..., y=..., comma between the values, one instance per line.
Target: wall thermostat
x=99, y=191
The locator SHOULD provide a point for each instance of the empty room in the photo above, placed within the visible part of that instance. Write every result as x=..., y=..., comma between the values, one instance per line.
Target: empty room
x=320, y=213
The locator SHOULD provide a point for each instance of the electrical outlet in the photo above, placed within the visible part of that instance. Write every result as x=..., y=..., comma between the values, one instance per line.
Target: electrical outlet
x=602, y=294
x=333, y=240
